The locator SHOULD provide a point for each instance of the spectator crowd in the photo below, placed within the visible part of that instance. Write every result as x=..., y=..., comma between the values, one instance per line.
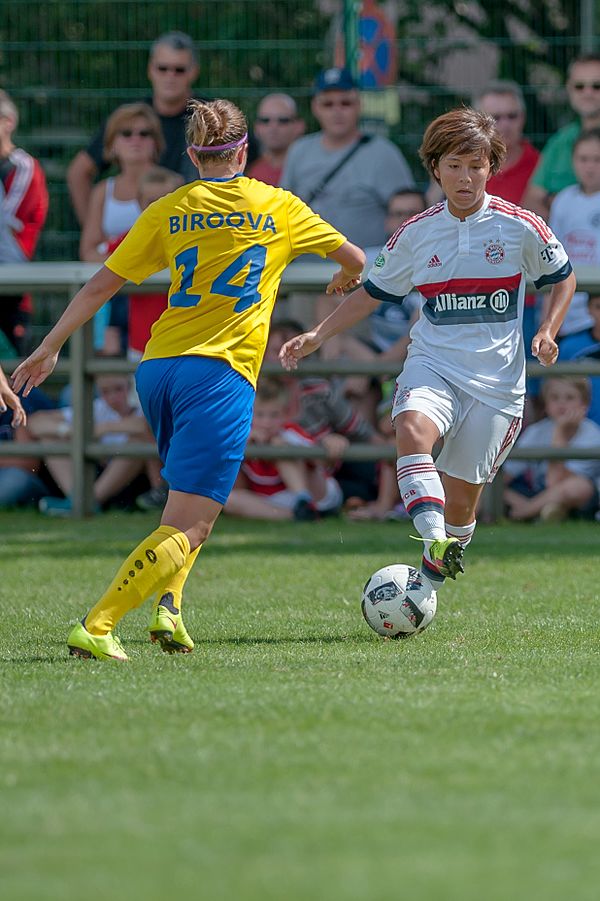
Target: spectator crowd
x=360, y=183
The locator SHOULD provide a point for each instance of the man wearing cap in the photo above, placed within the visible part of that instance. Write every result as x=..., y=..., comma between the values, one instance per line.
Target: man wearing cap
x=343, y=175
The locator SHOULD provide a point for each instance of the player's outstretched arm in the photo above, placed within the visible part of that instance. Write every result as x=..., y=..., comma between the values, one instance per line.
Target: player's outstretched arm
x=38, y=366
x=8, y=398
x=352, y=260
x=543, y=346
x=352, y=310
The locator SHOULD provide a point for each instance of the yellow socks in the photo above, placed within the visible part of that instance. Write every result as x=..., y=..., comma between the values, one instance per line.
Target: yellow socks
x=174, y=585
x=156, y=560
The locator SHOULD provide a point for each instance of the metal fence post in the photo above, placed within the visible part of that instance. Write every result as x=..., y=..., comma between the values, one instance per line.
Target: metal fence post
x=84, y=470
x=351, y=40
x=587, y=26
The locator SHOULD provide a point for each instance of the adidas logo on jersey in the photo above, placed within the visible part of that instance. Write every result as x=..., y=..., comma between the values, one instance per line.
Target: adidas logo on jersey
x=434, y=261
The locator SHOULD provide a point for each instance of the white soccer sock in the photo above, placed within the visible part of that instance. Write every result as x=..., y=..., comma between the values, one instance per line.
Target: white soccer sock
x=422, y=494
x=463, y=533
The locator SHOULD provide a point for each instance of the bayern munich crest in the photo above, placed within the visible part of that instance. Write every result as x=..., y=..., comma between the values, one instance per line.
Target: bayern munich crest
x=494, y=253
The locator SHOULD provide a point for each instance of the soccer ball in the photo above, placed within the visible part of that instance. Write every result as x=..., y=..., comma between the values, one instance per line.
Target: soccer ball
x=398, y=601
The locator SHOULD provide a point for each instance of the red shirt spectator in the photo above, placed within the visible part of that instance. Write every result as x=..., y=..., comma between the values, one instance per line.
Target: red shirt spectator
x=23, y=210
x=510, y=183
x=276, y=127
x=263, y=170
x=23, y=205
x=503, y=100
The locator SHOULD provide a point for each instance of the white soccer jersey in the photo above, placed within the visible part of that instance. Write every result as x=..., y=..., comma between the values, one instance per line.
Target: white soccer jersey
x=472, y=276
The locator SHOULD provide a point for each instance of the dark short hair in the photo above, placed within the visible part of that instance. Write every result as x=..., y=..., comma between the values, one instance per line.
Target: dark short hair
x=591, y=134
x=406, y=192
x=462, y=130
x=269, y=389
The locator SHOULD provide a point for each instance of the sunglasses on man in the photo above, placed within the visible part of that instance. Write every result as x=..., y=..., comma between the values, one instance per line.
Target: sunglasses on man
x=280, y=120
x=130, y=133
x=176, y=70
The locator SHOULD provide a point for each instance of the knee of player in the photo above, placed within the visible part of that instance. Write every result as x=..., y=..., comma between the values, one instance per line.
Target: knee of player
x=415, y=433
x=198, y=533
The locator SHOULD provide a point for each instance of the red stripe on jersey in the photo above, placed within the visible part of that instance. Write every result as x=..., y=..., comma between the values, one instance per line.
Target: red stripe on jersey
x=432, y=211
x=470, y=285
x=503, y=206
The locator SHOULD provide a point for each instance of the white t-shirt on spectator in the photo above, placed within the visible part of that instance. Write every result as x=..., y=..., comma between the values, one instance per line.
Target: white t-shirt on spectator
x=539, y=434
x=575, y=220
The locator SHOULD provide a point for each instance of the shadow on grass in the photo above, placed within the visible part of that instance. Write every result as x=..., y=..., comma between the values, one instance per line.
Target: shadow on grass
x=100, y=538
x=247, y=640
x=243, y=641
x=35, y=658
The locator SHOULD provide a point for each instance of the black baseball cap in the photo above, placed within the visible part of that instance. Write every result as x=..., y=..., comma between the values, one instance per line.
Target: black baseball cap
x=334, y=79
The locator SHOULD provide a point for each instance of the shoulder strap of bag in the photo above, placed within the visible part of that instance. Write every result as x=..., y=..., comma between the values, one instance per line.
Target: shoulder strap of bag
x=364, y=139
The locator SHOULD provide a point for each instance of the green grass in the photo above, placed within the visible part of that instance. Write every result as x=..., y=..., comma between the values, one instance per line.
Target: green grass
x=295, y=755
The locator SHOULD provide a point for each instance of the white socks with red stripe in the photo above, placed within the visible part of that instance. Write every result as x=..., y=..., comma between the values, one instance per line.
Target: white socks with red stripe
x=422, y=494
x=463, y=533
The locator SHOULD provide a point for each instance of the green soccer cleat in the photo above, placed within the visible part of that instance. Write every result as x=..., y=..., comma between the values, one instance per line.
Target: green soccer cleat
x=447, y=555
x=83, y=644
x=166, y=627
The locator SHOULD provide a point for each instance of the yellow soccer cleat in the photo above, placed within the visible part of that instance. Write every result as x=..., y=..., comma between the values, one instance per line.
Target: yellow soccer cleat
x=167, y=628
x=447, y=555
x=82, y=643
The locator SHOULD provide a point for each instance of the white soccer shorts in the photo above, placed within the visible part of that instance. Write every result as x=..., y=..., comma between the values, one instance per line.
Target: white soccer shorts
x=477, y=437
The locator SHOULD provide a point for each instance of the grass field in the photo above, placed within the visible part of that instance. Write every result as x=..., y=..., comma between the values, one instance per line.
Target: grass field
x=295, y=755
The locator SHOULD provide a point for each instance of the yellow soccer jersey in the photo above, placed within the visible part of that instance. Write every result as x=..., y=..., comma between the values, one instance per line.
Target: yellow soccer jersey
x=226, y=243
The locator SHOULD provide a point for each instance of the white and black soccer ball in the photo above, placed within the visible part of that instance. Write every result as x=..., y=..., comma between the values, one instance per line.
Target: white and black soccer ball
x=398, y=601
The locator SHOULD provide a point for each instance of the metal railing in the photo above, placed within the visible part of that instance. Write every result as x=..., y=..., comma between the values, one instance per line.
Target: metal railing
x=304, y=275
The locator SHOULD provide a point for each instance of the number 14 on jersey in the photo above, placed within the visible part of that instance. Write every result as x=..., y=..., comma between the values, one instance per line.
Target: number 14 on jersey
x=246, y=293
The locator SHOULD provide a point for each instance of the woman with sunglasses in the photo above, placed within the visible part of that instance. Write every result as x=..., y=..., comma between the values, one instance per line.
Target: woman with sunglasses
x=133, y=142
x=226, y=239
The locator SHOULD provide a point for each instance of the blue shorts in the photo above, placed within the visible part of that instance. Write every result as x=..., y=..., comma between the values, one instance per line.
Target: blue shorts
x=200, y=411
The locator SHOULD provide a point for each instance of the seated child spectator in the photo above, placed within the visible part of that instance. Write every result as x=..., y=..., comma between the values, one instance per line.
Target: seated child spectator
x=21, y=482
x=554, y=489
x=281, y=489
x=319, y=406
x=388, y=504
x=117, y=419
x=143, y=309
x=585, y=345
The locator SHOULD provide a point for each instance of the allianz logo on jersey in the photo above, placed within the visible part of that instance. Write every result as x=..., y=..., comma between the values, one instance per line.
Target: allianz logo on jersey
x=498, y=301
x=453, y=309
